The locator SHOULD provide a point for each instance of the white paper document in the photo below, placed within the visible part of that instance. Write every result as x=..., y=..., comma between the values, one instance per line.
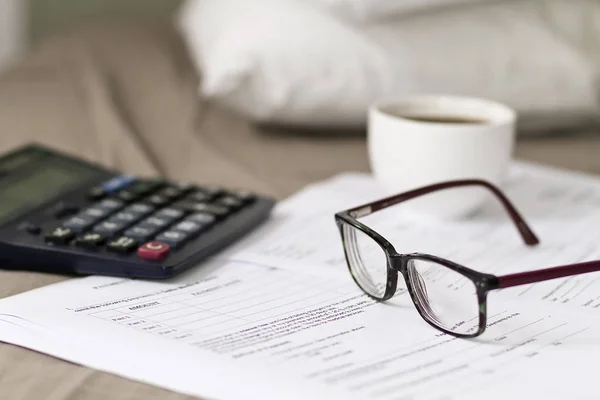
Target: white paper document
x=279, y=317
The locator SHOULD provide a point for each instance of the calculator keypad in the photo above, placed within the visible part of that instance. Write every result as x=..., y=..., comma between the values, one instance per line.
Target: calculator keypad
x=156, y=222
x=62, y=210
x=127, y=196
x=153, y=217
x=231, y=202
x=212, y=190
x=172, y=238
x=158, y=200
x=122, y=245
x=97, y=193
x=190, y=228
x=60, y=236
x=154, y=251
x=126, y=217
x=171, y=193
x=110, y=228
x=140, y=209
x=202, y=219
x=111, y=204
x=212, y=209
x=199, y=197
x=141, y=233
x=90, y=240
x=142, y=188
x=170, y=213
x=96, y=212
x=79, y=224
x=118, y=183
x=245, y=196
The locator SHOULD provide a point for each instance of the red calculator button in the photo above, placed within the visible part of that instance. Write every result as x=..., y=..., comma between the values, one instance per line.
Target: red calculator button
x=153, y=251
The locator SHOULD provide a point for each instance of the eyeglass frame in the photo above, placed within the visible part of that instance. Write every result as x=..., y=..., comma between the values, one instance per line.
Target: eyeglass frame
x=484, y=283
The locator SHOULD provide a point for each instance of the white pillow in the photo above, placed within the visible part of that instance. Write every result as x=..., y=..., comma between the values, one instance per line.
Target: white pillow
x=371, y=10
x=280, y=61
x=289, y=62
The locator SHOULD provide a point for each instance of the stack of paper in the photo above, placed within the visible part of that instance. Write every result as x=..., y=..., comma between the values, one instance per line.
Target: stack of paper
x=278, y=316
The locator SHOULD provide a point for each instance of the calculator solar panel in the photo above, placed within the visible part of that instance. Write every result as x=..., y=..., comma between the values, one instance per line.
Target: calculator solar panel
x=63, y=215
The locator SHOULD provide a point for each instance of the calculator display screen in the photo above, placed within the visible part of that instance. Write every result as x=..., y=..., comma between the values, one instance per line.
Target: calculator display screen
x=32, y=185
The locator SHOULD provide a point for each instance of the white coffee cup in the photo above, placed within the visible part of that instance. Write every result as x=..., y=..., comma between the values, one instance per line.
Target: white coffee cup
x=407, y=150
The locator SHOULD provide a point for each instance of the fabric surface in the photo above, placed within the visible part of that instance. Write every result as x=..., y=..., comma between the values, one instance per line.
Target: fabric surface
x=373, y=10
x=258, y=58
x=125, y=95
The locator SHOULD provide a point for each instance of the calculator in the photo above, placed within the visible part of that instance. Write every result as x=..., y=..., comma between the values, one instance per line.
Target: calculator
x=60, y=214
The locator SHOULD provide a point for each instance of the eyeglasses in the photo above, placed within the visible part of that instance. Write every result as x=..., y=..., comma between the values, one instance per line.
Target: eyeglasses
x=432, y=281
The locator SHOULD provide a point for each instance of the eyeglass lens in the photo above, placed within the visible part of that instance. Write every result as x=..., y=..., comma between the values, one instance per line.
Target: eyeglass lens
x=367, y=261
x=444, y=297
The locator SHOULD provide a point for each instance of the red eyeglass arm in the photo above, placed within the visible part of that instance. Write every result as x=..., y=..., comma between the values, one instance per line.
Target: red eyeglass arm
x=540, y=275
x=524, y=229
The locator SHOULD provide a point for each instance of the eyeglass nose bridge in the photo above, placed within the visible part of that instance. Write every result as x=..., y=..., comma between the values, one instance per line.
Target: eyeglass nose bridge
x=399, y=262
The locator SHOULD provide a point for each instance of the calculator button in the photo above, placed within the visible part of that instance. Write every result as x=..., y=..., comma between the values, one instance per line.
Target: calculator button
x=199, y=197
x=156, y=222
x=62, y=210
x=95, y=213
x=233, y=203
x=127, y=196
x=171, y=193
x=185, y=187
x=141, y=233
x=90, y=240
x=60, y=236
x=110, y=228
x=170, y=213
x=157, y=200
x=143, y=188
x=122, y=245
x=172, y=238
x=79, y=223
x=188, y=227
x=97, y=193
x=140, y=209
x=125, y=217
x=217, y=211
x=211, y=190
x=30, y=228
x=118, y=183
x=244, y=195
x=110, y=204
x=202, y=219
x=153, y=251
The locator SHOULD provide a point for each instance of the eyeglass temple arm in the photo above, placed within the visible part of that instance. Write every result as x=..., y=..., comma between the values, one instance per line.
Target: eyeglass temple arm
x=524, y=229
x=540, y=275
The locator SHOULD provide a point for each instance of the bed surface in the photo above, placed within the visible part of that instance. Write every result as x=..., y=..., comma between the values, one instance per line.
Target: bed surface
x=124, y=94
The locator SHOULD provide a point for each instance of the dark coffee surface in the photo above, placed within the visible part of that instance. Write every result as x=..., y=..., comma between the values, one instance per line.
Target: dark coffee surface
x=445, y=119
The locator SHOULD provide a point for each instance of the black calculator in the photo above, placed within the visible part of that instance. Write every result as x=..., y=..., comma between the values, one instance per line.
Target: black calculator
x=60, y=214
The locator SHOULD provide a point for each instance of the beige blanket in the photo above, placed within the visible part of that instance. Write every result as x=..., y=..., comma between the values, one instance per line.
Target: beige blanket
x=124, y=94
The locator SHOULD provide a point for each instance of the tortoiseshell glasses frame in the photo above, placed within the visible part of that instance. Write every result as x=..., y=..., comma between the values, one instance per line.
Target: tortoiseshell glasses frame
x=483, y=283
